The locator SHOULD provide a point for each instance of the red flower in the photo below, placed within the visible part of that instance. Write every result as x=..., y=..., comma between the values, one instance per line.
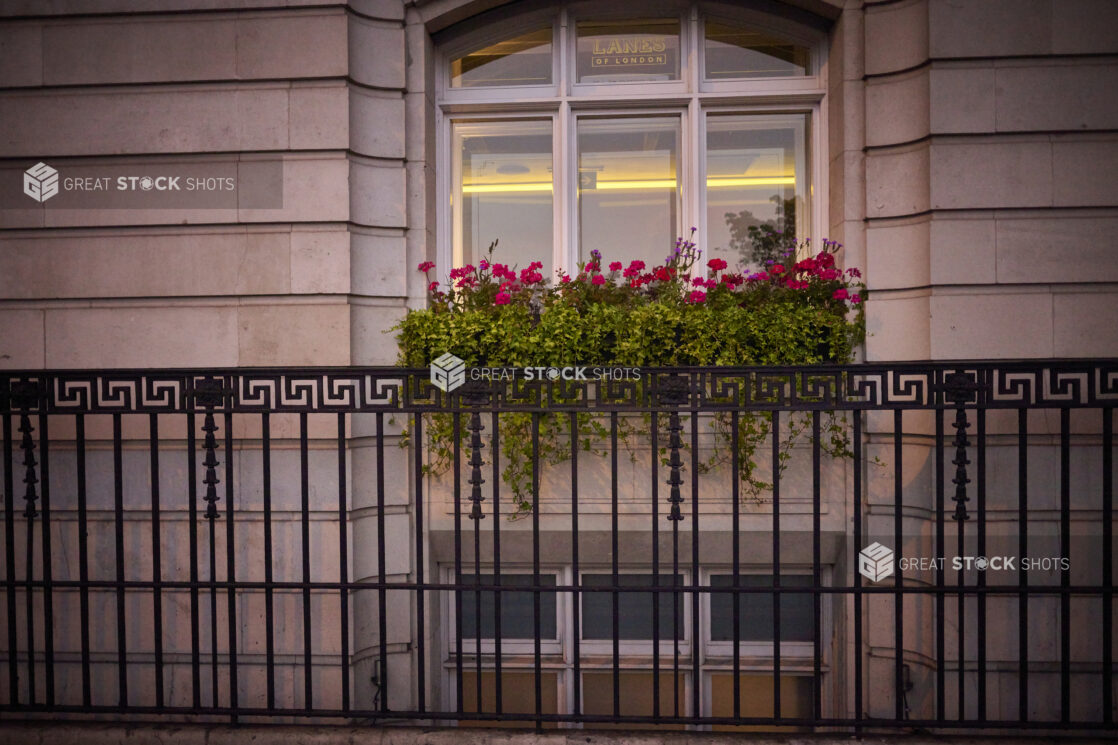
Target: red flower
x=615, y=266
x=776, y=269
x=717, y=264
x=826, y=260
x=663, y=274
x=598, y=280
x=426, y=266
x=432, y=287
x=697, y=296
x=502, y=298
x=855, y=298
x=636, y=264
x=840, y=294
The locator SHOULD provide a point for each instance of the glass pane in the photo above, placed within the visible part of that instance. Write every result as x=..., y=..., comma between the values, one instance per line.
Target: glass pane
x=518, y=696
x=757, y=698
x=636, y=697
x=797, y=611
x=621, y=51
x=521, y=60
x=502, y=190
x=635, y=616
x=757, y=205
x=517, y=610
x=628, y=195
x=734, y=51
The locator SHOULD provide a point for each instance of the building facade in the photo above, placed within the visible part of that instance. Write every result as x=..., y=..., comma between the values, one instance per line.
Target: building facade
x=962, y=152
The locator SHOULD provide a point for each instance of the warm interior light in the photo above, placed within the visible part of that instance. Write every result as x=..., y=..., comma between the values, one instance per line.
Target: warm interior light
x=630, y=185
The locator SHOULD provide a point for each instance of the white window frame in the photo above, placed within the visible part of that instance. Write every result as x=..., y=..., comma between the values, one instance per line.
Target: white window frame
x=692, y=97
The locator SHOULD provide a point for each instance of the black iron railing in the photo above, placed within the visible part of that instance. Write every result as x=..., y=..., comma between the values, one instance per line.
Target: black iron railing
x=273, y=543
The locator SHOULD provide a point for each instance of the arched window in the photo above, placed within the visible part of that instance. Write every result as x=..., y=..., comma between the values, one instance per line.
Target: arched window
x=618, y=127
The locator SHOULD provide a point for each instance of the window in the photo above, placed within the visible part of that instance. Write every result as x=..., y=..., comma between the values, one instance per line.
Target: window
x=637, y=621
x=612, y=127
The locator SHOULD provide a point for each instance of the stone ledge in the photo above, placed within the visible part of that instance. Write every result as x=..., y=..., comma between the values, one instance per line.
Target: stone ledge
x=190, y=734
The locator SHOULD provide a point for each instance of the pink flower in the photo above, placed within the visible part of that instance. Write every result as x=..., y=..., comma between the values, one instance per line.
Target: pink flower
x=855, y=298
x=825, y=260
x=717, y=264
x=840, y=294
x=564, y=279
x=426, y=266
x=615, y=266
x=432, y=287
x=853, y=272
x=483, y=265
x=502, y=298
x=776, y=269
x=829, y=274
x=598, y=280
x=696, y=296
x=636, y=264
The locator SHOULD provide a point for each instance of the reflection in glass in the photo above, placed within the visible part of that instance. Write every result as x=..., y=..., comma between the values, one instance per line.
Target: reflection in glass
x=628, y=195
x=517, y=608
x=757, y=697
x=756, y=187
x=621, y=51
x=518, y=696
x=502, y=189
x=521, y=60
x=734, y=51
x=635, y=616
x=755, y=615
x=636, y=690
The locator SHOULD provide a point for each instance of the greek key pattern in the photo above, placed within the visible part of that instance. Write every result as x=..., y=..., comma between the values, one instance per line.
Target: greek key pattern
x=1041, y=384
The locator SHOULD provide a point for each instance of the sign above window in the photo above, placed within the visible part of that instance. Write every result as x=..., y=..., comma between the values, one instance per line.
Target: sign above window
x=620, y=51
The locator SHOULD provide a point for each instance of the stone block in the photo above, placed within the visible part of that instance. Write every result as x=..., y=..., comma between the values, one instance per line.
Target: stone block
x=377, y=123
x=377, y=196
x=373, y=340
x=962, y=251
x=1055, y=97
x=379, y=263
x=141, y=336
x=320, y=261
x=319, y=117
x=301, y=334
x=897, y=181
x=898, y=327
x=1003, y=325
x=896, y=36
x=897, y=108
x=1056, y=248
x=376, y=52
x=962, y=99
x=22, y=339
x=1085, y=323
x=1016, y=173
x=1083, y=171
x=21, y=54
x=897, y=253
x=264, y=44
x=992, y=28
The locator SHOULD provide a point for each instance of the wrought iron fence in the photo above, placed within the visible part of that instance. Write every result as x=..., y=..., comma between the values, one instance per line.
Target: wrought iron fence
x=253, y=543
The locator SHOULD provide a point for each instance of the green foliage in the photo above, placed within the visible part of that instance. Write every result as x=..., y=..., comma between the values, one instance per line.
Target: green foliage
x=802, y=315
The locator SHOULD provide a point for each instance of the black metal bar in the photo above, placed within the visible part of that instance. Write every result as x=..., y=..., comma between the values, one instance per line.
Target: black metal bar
x=10, y=567
x=1108, y=564
x=817, y=564
x=231, y=567
x=305, y=525
x=941, y=550
x=674, y=516
x=44, y=526
x=898, y=577
x=536, y=651
x=382, y=571
x=1022, y=575
x=83, y=557
x=457, y=466
x=735, y=558
x=30, y=479
x=615, y=598
x=269, y=592
x=696, y=678
x=476, y=516
x=420, y=604
x=576, y=609
x=192, y=506
x=655, y=458
x=209, y=444
x=858, y=672
x=980, y=501
x=156, y=557
x=1065, y=574
x=343, y=555
x=776, y=467
x=499, y=692
x=118, y=495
